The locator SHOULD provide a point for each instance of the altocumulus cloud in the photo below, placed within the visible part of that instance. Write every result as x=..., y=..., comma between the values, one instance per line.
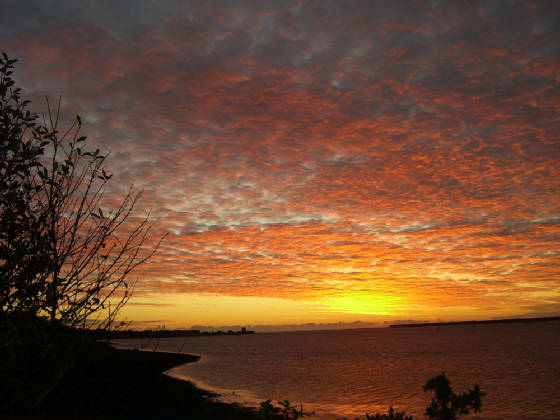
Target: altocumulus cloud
x=306, y=150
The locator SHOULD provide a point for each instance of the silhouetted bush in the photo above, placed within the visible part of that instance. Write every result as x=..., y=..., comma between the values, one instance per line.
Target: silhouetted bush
x=286, y=411
x=391, y=415
x=447, y=405
x=268, y=411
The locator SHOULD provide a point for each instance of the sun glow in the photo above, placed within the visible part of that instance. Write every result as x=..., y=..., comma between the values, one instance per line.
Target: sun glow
x=370, y=304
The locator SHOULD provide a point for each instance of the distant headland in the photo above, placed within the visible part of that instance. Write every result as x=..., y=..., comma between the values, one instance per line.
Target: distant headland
x=163, y=333
x=491, y=321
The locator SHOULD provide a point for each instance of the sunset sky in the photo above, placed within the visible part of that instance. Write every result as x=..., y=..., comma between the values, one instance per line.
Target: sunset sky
x=319, y=161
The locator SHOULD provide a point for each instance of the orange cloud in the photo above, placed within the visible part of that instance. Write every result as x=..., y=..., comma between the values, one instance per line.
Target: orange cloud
x=365, y=159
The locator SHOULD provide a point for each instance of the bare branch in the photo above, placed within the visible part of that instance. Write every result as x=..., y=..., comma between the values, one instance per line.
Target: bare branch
x=81, y=250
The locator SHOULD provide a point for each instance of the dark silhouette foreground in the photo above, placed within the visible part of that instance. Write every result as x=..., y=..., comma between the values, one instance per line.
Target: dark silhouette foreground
x=48, y=373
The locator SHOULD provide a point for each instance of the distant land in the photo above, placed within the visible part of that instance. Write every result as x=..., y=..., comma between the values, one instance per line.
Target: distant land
x=310, y=326
x=199, y=330
x=162, y=333
x=491, y=321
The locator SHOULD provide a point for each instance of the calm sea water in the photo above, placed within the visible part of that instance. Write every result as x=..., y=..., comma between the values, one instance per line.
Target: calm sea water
x=351, y=372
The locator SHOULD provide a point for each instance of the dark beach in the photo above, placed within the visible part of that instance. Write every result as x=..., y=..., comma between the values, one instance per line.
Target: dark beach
x=108, y=383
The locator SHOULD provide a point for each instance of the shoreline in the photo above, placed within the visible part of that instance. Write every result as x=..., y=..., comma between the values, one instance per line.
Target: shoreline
x=231, y=400
x=203, y=403
x=231, y=397
x=131, y=384
x=219, y=404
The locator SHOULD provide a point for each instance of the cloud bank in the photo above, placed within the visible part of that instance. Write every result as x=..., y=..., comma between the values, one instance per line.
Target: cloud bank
x=378, y=158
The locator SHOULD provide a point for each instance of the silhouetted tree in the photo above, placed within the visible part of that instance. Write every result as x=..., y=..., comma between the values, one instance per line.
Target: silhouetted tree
x=63, y=255
x=447, y=405
x=23, y=253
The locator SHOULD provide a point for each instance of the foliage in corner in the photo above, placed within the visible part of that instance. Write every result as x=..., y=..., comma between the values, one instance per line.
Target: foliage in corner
x=447, y=405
